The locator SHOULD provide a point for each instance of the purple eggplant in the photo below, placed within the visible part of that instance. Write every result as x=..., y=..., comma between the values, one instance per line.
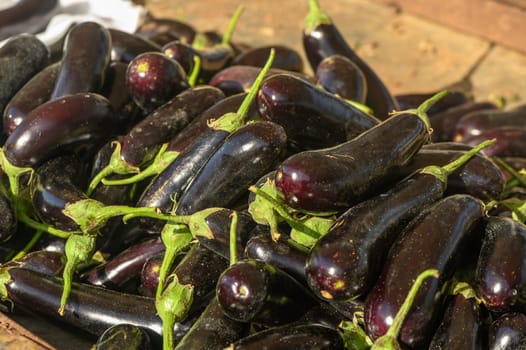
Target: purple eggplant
x=164, y=30
x=26, y=16
x=508, y=332
x=286, y=58
x=341, y=76
x=126, y=46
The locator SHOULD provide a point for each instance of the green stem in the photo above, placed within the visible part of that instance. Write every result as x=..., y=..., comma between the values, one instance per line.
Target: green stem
x=233, y=121
x=315, y=17
x=29, y=246
x=233, y=238
x=513, y=172
x=23, y=217
x=13, y=174
x=106, y=171
x=196, y=69
x=227, y=37
x=421, y=110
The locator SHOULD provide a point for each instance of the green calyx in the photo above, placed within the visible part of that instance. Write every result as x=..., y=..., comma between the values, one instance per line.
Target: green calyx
x=5, y=278
x=315, y=17
x=230, y=122
x=198, y=225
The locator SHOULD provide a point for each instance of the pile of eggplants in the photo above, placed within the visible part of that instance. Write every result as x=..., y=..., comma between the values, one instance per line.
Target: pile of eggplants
x=171, y=188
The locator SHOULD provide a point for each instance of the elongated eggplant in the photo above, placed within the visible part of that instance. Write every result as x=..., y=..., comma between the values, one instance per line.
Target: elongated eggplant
x=437, y=238
x=244, y=156
x=462, y=325
x=341, y=76
x=255, y=291
x=126, y=46
x=213, y=330
x=296, y=336
x=322, y=38
x=499, y=279
x=445, y=122
x=286, y=58
x=43, y=261
x=149, y=279
x=412, y=100
x=21, y=57
x=80, y=121
x=337, y=177
x=124, y=336
x=34, y=93
x=507, y=332
x=26, y=16
x=312, y=118
x=86, y=57
x=164, y=30
x=479, y=177
x=90, y=308
x=182, y=53
x=125, y=266
x=511, y=141
x=477, y=122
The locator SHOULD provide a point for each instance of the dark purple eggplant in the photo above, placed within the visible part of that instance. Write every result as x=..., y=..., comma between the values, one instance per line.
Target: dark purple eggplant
x=435, y=239
x=337, y=177
x=47, y=262
x=182, y=53
x=124, y=336
x=286, y=58
x=244, y=156
x=90, y=308
x=412, y=100
x=478, y=122
x=480, y=177
x=149, y=279
x=76, y=122
x=341, y=76
x=85, y=59
x=34, y=93
x=511, y=141
x=239, y=78
x=322, y=38
x=21, y=57
x=153, y=79
x=445, y=122
x=126, y=266
x=312, y=118
x=164, y=30
x=462, y=325
x=26, y=16
x=294, y=336
x=126, y=46
x=8, y=221
x=508, y=332
x=145, y=138
x=213, y=330
x=255, y=291
x=345, y=262
x=500, y=280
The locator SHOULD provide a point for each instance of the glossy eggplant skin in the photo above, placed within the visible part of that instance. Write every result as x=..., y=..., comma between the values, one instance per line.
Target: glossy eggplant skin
x=255, y=291
x=294, y=336
x=477, y=122
x=285, y=58
x=337, y=177
x=126, y=265
x=219, y=223
x=312, y=118
x=165, y=122
x=213, y=330
x=126, y=46
x=35, y=92
x=445, y=122
x=510, y=141
x=90, y=308
x=80, y=121
x=462, y=326
x=26, y=16
x=341, y=76
x=182, y=53
x=278, y=254
x=507, y=332
x=479, y=177
x=86, y=56
x=43, y=261
x=347, y=260
x=56, y=185
x=164, y=30
x=413, y=100
x=124, y=336
x=436, y=238
x=21, y=57
x=245, y=155
x=501, y=267
x=326, y=40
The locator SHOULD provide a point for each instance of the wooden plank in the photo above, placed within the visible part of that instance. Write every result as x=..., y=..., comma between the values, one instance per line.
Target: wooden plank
x=14, y=336
x=502, y=22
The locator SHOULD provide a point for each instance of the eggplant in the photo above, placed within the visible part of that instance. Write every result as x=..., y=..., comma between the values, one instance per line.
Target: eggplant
x=413, y=100
x=341, y=76
x=255, y=291
x=437, y=238
x=47, y=262
x=85, y=59
x=334, y=178
x=510, y=141
x=313, y=118
x=126, y=46
x=21, y=57
x=8, y=221
x=164, y=30
x=507, y=332
x=286, y=58
x=322, y=38
x=124, y=336
x=26, y=16
x=182, y=53
x=294, y=336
